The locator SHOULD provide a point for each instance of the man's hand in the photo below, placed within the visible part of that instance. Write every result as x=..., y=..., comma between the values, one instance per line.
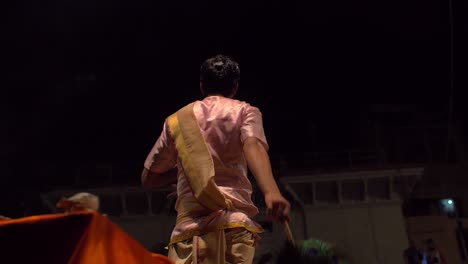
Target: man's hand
x=278, y=208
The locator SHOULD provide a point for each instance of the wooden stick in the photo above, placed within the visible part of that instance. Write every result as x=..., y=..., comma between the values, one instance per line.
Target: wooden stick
x=289, y=234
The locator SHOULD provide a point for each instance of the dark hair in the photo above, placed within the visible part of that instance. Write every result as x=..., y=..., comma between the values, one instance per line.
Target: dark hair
x=219, y=75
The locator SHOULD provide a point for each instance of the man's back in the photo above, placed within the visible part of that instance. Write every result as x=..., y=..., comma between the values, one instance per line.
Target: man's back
x=225, y=123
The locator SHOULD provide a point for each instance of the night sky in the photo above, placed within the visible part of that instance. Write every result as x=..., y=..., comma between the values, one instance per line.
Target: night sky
x=92, y=80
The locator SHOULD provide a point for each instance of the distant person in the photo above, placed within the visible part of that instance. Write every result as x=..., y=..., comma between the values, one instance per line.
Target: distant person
x=4, y=218
x=209, y=145
x=412, y=254
x=79, y=202
x=433, y=254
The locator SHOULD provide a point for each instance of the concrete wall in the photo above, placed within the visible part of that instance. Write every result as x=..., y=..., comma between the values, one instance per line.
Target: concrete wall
x=148, y=230
x=372, y=233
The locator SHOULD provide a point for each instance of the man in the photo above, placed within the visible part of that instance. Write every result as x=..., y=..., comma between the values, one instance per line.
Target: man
x=209, y=145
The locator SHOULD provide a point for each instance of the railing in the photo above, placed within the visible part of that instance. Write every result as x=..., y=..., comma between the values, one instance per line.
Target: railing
x=121, y=201
x=75, y=175
x=61, y=175
x=351, y=187
x=310, y=190
x=344, y=158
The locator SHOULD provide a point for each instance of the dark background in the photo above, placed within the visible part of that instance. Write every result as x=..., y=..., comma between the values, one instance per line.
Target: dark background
x=91, y=81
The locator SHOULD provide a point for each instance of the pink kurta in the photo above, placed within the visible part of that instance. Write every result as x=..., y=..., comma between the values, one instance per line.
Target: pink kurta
x=225, y=124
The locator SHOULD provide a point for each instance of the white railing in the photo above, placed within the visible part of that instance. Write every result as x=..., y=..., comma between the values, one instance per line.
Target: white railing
x=121, y=201
x=350, y=187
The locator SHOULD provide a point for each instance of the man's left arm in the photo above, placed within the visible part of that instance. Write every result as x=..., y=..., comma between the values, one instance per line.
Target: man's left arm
x=152, y=179
x=160, y=165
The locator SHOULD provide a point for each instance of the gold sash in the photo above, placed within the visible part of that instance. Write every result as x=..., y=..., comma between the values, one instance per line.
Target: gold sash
x=196, y=159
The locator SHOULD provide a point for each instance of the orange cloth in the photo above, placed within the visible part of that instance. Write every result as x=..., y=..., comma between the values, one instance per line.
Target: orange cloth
x=77, y=238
